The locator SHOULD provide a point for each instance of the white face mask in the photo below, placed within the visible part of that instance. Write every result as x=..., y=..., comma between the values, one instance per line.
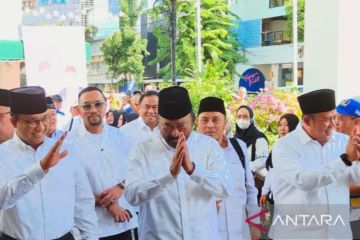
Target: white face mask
x=243, y=124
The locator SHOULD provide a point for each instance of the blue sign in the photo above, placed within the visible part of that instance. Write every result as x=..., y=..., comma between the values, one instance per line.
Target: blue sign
x=252, y=79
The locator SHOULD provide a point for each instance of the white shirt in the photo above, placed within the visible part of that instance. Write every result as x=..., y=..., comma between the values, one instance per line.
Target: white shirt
x=105, y=158
x=311, y=179
x=39, y=206
x=261, y=154
x=267, y=183
x=183, y=207
x=243, y=201
x=137, y=131
x=76, y=128
x=56, y=134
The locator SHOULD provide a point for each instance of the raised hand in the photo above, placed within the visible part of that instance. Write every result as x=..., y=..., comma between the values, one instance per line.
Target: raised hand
x=177, y=159
x=353, y=147
x=186, y=163
x=54, y=155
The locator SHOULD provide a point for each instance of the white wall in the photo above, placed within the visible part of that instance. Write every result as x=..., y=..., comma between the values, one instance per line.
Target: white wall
x=255, y=9
x=271, y=54
x=10, y=19
x=332, y=46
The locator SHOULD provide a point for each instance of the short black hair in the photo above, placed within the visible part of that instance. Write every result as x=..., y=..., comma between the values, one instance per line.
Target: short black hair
x=90, y=89
x=148, y=94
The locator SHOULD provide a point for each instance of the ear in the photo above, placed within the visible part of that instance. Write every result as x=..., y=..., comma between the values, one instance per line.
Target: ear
x=306, y=120
x=13, y=121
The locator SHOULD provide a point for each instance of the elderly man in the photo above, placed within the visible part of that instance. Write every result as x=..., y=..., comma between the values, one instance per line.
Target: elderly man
x=103, y=151
x=243, y=202
x=313, y=166
x=176, y=176
x=44, y=192
x=51, y=131
x=348, y=122
x=6, y=128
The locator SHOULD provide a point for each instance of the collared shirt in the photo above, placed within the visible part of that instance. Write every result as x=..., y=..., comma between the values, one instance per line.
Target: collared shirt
x=137, y=131
x=243, y=201
x=183, y=207
x=39, y=206
x=308, y=178
x=105, y=158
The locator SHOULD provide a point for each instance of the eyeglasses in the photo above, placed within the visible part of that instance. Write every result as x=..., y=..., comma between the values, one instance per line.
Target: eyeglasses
x=3, y=114
x=34, y=123
x=89, y=106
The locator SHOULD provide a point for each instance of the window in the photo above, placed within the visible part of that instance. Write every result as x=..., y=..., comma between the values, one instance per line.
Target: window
x=276, y=3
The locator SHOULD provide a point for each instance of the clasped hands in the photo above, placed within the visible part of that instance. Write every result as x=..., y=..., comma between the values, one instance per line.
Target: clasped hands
x=181, y=158
x=109, y=200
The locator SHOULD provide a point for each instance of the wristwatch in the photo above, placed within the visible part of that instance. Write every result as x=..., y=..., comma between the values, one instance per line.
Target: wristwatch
x=345, y=159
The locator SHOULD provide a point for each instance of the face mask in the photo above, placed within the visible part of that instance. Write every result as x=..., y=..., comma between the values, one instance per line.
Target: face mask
x=243, y=124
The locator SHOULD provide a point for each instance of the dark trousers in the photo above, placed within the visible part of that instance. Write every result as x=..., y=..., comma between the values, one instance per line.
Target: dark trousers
x=122, y=236
x=67, y=236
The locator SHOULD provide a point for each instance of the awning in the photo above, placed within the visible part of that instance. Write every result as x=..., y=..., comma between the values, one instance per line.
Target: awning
x=11, y=50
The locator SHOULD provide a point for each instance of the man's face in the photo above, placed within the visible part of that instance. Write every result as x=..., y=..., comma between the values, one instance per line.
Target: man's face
x=92, y=108
x=31, y=128
x=345, y=124
x=52, y=121
x=135, y=98
x=320, y=126
x=148, y=110
x=170, y=129
x=6, y=128
x=212, y=124
x=58, y=104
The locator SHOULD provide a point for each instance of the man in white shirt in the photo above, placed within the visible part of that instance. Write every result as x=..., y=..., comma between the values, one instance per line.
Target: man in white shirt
x=313, y=166
x=176, y=176
x=103, y=151
x=6, y=128
x=52, y=131
x=44, y=192
x=243, y=201
x=147, y=124
x=348, y=122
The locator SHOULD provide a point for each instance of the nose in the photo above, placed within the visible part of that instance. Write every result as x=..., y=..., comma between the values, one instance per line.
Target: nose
x=175, y=132
x=210, y=124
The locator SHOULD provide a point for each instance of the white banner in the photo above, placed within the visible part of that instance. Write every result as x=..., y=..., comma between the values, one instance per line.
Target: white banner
x=55, y=59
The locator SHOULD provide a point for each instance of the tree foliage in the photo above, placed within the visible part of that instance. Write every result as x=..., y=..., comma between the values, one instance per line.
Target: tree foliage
x=124, y=50
x=219, y=44
x=301, y=15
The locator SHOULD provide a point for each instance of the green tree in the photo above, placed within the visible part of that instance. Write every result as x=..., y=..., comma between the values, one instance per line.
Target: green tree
x=219, y=44
x=301, y=15
x=124, y=50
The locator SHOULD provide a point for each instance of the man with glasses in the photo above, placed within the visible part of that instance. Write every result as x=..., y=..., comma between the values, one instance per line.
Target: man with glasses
x=52, y=131
x=176, y=176
x=103, y=151
x=6, y=128
x=44, y=191
x=348, y=122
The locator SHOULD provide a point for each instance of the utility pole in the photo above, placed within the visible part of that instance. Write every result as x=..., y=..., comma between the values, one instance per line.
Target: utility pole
x=198, y=34
x=173, y=27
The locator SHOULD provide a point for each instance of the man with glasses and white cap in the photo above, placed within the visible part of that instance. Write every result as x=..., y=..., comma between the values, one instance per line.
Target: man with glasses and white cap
x=348, y=122
x=6, y=128
x=176, y=176
x=44, y=191
x=103, y=151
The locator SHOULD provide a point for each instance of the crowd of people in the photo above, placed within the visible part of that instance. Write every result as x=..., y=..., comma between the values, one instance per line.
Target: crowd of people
x=138, y=168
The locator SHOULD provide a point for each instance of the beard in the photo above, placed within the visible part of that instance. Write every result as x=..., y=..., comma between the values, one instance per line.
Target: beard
x=171, y=141
x=95, y=120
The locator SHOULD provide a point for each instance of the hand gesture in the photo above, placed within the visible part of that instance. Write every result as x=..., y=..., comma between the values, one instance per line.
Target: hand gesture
x=54, y=155
x=118, y=213
x=353, y=147
x=186, y=163
x=177, y=160
x=110, y=196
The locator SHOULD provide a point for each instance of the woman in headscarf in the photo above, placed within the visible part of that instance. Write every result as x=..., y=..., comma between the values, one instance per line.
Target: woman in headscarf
x=112, y=117
x=286, y=124
x=256, y=142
